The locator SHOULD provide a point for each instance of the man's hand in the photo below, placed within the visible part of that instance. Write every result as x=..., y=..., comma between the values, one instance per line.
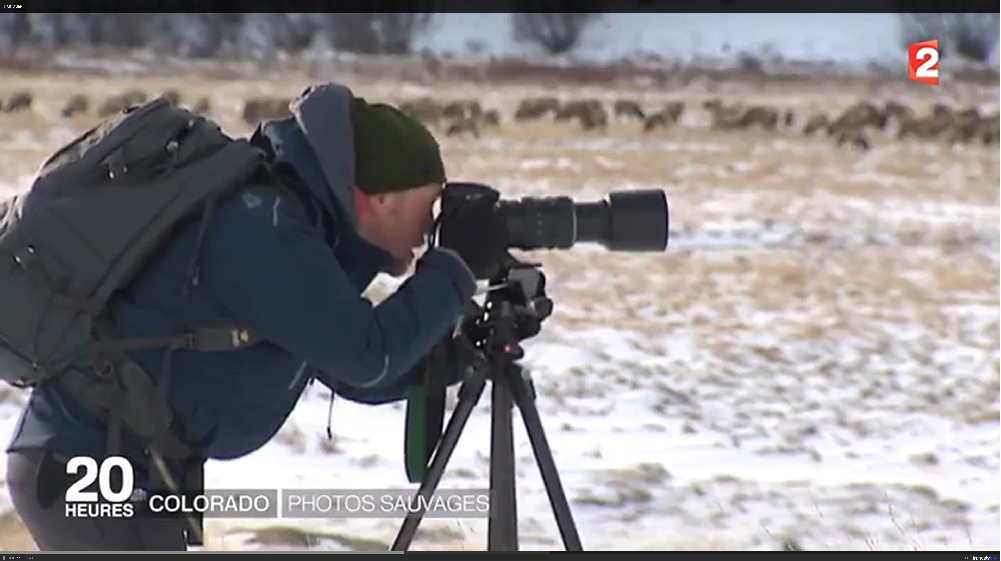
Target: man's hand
x=476, y=231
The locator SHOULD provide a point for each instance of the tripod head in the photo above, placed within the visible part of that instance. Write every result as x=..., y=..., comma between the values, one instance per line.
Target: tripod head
x=488, y=339
x=515, y=307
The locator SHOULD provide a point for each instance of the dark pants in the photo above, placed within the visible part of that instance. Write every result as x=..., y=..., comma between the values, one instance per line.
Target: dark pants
x=37, y=483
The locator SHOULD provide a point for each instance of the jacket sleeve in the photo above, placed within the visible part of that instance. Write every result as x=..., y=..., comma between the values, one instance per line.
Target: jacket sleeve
x=452, y=373
x=379, y=395
x=270, y=269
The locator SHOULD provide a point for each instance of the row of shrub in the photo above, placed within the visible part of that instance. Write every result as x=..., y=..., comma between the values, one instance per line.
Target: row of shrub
x=968, y=35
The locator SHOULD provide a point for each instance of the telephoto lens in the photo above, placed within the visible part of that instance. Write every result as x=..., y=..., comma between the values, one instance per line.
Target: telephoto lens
x=636, y=221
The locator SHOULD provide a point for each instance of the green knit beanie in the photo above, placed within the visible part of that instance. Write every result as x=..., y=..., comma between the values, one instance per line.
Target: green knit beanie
x=393, y=151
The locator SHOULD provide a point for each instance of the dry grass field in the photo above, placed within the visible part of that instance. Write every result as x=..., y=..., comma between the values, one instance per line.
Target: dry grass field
x=815, y=359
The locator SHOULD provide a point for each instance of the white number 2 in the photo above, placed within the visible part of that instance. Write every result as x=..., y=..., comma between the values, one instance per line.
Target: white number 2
x=927, y=68
x=102, y=474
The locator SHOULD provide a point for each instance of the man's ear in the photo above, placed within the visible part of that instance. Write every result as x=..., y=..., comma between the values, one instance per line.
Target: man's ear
x=362, y=203
x=367, y=202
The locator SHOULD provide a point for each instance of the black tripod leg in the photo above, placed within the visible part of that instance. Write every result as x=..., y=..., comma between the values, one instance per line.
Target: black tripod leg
x=544, y=458
x=502, y=529
x=469, y=395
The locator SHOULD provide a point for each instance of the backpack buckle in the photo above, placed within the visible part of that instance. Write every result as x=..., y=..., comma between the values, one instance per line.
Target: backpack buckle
x=25, y=256
x=115, y=162
x=104, y=368
x=190, y=342
x=216, y=339
x=114, y=172
x=241, y=337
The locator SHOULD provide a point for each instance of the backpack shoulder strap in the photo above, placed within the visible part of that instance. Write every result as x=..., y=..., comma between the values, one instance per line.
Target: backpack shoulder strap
x=285, y=179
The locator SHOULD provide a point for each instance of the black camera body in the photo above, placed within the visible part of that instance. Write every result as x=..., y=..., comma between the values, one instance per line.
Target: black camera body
x=625, y=221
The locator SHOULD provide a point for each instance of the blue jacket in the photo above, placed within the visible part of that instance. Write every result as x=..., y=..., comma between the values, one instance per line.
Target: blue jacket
x=297, y=286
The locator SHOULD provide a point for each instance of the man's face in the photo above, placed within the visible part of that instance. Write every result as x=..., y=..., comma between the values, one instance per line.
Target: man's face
x=400, y=222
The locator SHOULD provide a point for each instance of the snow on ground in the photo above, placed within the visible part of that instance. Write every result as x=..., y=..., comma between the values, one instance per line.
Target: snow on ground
x=814, y=362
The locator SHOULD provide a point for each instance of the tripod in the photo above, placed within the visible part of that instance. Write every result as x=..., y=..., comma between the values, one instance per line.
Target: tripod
x=520, y=298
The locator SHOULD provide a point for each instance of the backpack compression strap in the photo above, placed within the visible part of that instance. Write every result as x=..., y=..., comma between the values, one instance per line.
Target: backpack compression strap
x=209, y=339
x=164, y=445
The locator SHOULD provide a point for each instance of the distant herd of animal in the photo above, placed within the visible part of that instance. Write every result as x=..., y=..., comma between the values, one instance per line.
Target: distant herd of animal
x=854, y=127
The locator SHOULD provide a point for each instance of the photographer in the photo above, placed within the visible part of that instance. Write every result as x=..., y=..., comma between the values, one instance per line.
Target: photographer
x=293, y=268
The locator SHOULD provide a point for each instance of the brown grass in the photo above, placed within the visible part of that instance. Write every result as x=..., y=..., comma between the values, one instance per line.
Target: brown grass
x=13, y=535
x=672, y=158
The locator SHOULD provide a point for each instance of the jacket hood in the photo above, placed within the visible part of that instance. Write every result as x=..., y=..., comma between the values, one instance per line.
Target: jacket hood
x=318, y=142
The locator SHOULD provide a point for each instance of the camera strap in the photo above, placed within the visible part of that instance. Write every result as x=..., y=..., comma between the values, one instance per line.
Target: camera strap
x=426, y=414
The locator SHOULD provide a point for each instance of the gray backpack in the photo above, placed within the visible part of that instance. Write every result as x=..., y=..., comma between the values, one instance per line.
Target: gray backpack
x=99, y=208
